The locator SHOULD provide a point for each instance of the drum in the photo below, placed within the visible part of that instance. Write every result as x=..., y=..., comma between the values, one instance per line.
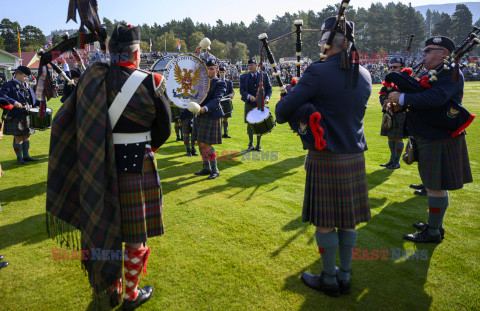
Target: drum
x=261, y=122
x=175, y=112
x=227, y=105
x=40, y=123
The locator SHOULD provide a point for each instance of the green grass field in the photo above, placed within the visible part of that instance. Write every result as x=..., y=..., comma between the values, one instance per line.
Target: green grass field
x=238, y=243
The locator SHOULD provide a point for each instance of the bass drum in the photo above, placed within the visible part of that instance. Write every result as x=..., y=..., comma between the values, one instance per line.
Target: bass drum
x=187, y=80
x=261, y=122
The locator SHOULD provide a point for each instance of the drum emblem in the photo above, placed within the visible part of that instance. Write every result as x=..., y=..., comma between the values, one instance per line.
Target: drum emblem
x=187, y=81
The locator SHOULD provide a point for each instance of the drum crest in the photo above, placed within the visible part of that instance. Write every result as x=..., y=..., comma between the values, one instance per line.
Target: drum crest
x=187, y=80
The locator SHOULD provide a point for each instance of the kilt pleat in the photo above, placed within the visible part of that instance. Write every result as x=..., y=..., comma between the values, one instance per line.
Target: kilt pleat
x=18, y=126
x=206, y=130
x=443, y=164
x=336, y=193
x=141, y=202
x=396, y=131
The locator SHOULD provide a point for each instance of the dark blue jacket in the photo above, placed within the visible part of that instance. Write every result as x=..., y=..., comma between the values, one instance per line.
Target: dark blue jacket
x=229, y=89
x=67, y=88
x=212, y=101
x=245, y=78
x=342, y=107
x=13, y=91
x=423, y=108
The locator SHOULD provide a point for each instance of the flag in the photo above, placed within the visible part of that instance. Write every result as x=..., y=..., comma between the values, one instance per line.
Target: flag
x=18, y=40
x=150, y=45
x=48, y=44
x=179, y=45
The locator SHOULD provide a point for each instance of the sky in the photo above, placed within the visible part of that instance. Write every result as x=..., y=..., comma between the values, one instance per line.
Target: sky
x=52, y=14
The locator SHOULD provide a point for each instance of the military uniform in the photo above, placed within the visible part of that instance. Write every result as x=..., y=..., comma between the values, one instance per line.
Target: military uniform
x=186, y=118
x=336, y=193
x=443, y=161
x=17, y=122
x=249, y=86
x=229, y=91
x=102, y=164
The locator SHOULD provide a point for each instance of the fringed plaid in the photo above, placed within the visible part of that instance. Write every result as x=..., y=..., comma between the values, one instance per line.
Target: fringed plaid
x=206, y=130
x=82, y=189
x=397, y=129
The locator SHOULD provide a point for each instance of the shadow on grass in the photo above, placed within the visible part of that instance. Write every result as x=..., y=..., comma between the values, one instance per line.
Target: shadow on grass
x=31, y=230
x=255, y=179
x=20, y=193
x=378, y=177
x=12, y=164
x=400, y=276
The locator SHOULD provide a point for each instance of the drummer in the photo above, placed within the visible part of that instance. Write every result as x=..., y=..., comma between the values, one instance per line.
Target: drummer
x=249, y=83
x=207, y=129
x=18, y=93
x=229, y=93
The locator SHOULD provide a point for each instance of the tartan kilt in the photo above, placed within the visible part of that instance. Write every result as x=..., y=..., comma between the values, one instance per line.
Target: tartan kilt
x=397, y=129
x=228, y=115
x=443, y=164
x=206, y=130
x=141, y=202
x=336, y=193
x=18, y=126
x=186, y=126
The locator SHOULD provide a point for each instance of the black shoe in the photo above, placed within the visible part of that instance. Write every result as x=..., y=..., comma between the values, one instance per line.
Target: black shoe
x=194, y=152
x=20, y=162
x=421, y=191
x=423, y=237
x=250, y=148
x=393, y=166
x=29, y=159
x=386, y=164
x=3, y=264
x=316, y=282
x=213, y=175
x=345, y=287
x=226, y=136
x=418, y=187
x=203, y=172
x=144, y=294
x=189, y=153
x=1, y=257
x=258, y=148
x=178, y=139
x=421, y=226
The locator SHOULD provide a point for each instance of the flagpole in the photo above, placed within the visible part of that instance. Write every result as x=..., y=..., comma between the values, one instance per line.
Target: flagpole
x=18, y=42
x=165, y=44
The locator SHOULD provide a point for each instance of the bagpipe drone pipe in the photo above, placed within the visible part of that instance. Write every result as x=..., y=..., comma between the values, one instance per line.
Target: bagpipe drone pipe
x=452, y=117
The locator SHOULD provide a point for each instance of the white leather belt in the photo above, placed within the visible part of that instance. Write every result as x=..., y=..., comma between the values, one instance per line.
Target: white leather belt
x=131, y=138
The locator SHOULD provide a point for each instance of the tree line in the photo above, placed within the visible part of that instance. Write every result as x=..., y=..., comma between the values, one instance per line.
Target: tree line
x=378, y=29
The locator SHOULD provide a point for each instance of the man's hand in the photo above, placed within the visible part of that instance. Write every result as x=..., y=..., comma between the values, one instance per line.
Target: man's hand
x=231, y=95
x=394, y=97
x=252, y=98
x=18, y=105
x=266, y=101
x=203, y=110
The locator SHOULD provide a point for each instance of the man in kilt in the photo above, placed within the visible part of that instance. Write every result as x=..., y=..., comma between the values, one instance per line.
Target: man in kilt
x=229, y=93
x=207, y=129
x=443, y=161
x=15, y=95
x=395, y=133
x=336, y=193
x=249, y=83
x=102, y=177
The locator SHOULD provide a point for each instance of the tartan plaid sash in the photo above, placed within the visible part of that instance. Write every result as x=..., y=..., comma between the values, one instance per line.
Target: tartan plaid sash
x=82, y=190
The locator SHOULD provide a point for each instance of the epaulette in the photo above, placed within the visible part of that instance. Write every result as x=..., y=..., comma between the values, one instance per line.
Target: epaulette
x=159, y=84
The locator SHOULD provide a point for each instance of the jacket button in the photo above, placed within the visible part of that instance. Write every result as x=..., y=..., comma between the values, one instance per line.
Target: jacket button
x=136, y=156
x=134, y=164
x=138, y=144
x=407, y=110
x=124, y=157
x=125, y=168
x=126, y=145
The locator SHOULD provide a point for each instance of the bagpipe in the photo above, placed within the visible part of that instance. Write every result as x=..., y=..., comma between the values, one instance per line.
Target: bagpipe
x=452, y=116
